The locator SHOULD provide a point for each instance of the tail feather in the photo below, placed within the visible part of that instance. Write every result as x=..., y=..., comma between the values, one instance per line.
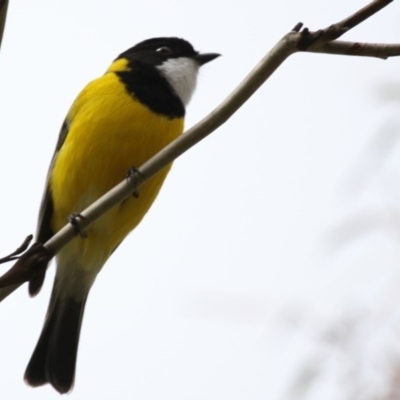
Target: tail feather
x=54, y=358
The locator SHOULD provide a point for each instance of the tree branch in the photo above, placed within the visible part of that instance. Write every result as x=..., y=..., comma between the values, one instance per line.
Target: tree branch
x=378, y=50
x=334, y=31
x=361, y=15
x=322, y=41
x=3, y=16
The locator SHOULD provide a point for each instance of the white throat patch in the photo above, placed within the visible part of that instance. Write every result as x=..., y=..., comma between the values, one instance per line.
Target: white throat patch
x=181, y=74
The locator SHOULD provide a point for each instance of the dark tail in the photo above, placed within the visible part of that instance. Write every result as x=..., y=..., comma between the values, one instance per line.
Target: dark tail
x=54, y=358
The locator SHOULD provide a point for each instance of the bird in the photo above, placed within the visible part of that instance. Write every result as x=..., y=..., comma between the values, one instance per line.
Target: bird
x=117, y=122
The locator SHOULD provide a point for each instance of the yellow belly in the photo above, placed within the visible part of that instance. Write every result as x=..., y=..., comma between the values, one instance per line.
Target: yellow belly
x=109, y=133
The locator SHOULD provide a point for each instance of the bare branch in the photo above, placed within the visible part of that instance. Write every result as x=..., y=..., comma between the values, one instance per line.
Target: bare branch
x=32, y=264
x=360, y=16
x=14, y=255
x=334, y=31
x=37, y=257
x=378, y=50
x=3, y=15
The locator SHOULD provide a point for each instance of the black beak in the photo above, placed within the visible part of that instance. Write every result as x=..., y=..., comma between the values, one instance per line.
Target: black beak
x=205, y=57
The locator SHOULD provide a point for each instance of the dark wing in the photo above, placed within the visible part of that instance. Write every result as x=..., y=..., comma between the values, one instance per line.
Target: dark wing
x=44, y=231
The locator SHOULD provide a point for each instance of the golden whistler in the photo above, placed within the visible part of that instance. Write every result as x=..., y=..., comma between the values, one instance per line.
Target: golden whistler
x=116, y=123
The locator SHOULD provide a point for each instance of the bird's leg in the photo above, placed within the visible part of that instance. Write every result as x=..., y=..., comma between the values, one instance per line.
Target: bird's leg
x=73, y=219
x=133, y=175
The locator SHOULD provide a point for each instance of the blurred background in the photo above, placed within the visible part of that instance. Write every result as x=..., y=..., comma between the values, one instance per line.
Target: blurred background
x=269, y=266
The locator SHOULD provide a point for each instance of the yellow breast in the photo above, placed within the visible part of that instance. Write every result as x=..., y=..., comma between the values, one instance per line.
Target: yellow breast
x=109, y=132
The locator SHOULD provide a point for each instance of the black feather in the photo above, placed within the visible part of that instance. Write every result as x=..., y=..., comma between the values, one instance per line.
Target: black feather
x=54, y=358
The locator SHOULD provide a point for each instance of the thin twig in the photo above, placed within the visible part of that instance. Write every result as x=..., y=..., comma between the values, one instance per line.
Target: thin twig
x=377, y=50
x=31, y=265
x=14, y=255
x=361, y=15
x=334, y=31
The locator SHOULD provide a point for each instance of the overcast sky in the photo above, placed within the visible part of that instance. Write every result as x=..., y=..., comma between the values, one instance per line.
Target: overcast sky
x=279, y=224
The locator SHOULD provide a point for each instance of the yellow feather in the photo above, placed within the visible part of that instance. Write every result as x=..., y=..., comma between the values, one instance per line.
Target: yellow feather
x=109, y=132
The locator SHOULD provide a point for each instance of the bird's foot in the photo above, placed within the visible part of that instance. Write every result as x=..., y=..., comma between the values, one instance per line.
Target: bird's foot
x=134, y=175
x=73, y=219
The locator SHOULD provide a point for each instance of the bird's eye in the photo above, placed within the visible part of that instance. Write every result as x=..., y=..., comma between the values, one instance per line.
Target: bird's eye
x=165, y=51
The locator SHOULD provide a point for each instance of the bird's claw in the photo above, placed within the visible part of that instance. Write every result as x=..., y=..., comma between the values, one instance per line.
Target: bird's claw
x=133, y=175
x=73, y=219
